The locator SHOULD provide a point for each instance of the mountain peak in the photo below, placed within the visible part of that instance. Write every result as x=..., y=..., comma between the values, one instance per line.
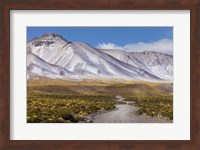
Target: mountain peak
x=52, y=35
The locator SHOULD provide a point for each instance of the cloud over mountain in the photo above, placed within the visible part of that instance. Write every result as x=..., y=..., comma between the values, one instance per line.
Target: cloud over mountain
x=162, y=46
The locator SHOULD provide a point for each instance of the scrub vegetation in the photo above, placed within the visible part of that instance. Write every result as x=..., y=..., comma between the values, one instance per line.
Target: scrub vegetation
x=154, y=105
x=65, y=109
x=55, y=101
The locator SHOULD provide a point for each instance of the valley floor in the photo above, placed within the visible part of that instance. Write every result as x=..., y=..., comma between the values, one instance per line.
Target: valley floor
x=57, y=101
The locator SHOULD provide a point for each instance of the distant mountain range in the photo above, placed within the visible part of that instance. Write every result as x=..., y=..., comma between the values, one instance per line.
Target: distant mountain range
x=53, y=56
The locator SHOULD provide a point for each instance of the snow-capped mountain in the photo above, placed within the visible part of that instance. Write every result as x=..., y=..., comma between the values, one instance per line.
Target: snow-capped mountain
x=53, y=56
x=37, y=66
x=159, y=63
x=126, y=57
x=156, y=63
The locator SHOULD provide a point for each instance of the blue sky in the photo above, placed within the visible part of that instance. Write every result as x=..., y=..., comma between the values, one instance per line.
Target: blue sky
x=111, y=37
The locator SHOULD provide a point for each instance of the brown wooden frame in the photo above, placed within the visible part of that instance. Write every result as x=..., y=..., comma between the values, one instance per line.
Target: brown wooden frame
x=7, y=5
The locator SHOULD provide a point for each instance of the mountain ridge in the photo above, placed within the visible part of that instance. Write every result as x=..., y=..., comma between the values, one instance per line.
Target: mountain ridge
x=81, y=60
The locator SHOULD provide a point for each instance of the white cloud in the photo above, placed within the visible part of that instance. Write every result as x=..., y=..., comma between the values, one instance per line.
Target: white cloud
x=108, y=46
x=163, y=46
